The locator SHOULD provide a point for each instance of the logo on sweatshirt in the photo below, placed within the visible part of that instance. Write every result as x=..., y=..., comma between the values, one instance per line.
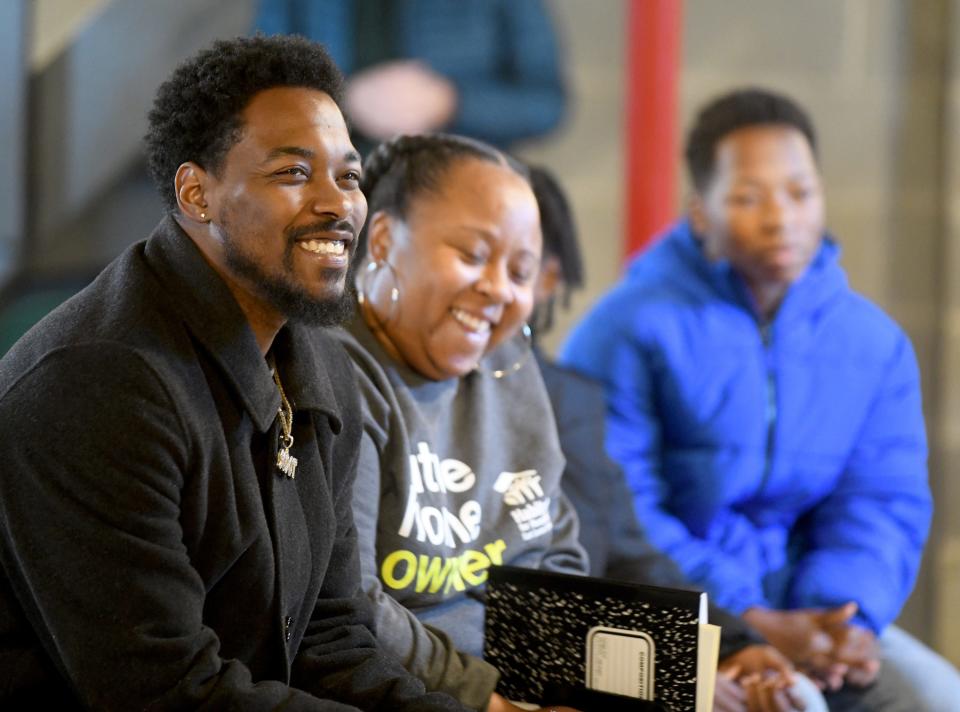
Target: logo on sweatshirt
x=530, y=508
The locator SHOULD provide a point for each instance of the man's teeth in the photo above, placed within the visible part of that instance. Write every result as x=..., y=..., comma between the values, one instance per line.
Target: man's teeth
x=471, y=322
x=323, y=247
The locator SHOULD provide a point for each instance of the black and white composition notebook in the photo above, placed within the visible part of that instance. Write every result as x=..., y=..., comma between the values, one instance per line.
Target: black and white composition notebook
x=598, y=644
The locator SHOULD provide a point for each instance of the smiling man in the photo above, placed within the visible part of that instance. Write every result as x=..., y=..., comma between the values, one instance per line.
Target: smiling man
x=180, y=444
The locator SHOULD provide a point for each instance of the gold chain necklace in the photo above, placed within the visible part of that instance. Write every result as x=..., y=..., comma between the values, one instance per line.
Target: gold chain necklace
x=286, y=463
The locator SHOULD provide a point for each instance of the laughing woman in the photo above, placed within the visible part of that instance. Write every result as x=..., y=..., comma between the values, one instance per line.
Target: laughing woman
x=460, y=462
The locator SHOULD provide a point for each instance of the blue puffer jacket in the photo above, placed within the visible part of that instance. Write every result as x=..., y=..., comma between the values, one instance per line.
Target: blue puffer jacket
x=780, y=464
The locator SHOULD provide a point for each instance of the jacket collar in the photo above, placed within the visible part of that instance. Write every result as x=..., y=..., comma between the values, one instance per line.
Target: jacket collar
x=819, y=283
x=217, y=323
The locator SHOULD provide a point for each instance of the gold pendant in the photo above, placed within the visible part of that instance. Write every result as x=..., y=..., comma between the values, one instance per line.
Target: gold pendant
x=287, y=463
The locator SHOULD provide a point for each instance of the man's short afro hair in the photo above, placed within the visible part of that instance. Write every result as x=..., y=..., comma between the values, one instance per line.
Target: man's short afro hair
x=196, y=115
x=737, y=110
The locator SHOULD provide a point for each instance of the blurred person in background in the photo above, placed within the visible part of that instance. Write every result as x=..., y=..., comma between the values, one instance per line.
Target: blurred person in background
x=754, y=676
x=489, y=69
x=167, y=431
x=459, y=465
x=768, y=418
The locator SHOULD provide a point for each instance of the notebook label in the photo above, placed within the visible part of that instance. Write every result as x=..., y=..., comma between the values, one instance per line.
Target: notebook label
x=620, y=662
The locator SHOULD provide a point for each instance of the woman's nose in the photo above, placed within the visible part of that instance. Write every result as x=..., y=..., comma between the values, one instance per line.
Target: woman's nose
x=495, y=284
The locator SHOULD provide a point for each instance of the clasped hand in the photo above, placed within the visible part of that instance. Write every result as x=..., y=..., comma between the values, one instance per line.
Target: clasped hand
x=822, y=642
x=756, y=679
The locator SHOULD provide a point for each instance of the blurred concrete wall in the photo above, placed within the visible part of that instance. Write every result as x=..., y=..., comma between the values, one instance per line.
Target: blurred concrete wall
x=55, y=23
x=586, y=153
x=946, y=377
x=96, y=67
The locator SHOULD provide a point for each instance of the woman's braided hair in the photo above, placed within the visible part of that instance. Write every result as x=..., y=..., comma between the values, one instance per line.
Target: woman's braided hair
x=559, y=240
x=407, y=166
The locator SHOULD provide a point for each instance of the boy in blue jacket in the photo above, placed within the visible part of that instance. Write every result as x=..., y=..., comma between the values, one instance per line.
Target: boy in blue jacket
x=767, y=417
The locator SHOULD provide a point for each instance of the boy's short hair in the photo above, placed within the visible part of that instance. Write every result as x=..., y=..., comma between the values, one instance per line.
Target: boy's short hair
x=733, y=111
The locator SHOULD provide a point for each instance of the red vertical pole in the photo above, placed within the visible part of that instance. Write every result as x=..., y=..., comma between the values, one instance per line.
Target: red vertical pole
x=654, y=29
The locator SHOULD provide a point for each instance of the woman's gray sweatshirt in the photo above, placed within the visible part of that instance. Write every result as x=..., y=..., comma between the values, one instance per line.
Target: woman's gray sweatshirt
x=454, y=476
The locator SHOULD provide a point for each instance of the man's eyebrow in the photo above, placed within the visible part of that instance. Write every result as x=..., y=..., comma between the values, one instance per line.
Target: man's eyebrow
x=348, y=157
x=290, y=151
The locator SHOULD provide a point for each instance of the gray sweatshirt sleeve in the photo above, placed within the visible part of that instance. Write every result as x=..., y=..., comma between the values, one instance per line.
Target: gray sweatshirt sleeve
x=565, y=554
x=424, y=651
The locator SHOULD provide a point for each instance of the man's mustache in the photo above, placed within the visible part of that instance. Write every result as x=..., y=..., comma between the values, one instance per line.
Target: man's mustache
x=298, y=233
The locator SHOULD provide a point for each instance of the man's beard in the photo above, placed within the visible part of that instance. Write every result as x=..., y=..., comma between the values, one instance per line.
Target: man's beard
x=281, y=291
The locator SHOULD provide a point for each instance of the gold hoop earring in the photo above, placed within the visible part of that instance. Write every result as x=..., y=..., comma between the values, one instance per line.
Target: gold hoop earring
x=363, y=279
x=498, y=373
